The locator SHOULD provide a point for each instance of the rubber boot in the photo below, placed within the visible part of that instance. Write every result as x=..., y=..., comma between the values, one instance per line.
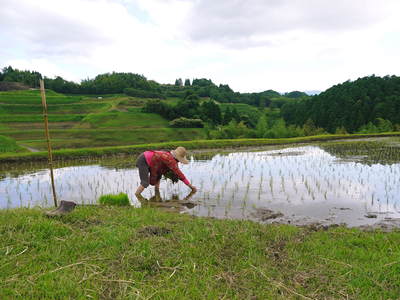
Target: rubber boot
x=64, y=208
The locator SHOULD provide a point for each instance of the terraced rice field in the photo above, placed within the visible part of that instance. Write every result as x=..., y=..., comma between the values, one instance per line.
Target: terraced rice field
x=351, y=182
x=81, y=121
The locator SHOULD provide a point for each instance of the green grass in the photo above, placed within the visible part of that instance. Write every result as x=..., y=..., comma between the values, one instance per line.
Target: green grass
x=29, y=100
x=119, y=200
x=241, y=108
x=60, y=109
x=132, y=119
x=15, y=118
x=113, y=121
x=33, y=97
x=78, y=138
x=127, y=253
x=33, y=92
x=8, y=144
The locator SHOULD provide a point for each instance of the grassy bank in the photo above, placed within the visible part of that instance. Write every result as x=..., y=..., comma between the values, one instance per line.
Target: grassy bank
x=8, y=145
x=195, y=144
x=127, y=253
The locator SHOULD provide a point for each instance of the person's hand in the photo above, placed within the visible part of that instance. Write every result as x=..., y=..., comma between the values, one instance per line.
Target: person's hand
x=141, y=198
x=188, y=196
x=194, y=189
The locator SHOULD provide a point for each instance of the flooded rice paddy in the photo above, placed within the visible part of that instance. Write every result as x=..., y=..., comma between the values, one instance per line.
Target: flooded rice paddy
x=352, y=183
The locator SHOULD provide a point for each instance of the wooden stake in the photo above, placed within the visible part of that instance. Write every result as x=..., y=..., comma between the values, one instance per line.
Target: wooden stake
x=46, y=126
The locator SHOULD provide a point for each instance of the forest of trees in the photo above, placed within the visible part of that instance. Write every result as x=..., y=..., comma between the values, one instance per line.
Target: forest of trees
x=349, y=106
x=139, y=86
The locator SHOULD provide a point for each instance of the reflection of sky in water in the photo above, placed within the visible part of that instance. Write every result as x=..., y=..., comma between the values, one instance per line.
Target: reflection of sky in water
x=304, y=181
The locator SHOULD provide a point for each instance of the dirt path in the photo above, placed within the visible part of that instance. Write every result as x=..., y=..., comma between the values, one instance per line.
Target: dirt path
x=29, y=148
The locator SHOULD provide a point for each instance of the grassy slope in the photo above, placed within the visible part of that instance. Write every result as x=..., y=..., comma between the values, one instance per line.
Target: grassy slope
x=111, y=253
x=32, y=97
x=132, y=119
x=242, y=108
x=109, y=121
x=78, y=138
x=8, y=144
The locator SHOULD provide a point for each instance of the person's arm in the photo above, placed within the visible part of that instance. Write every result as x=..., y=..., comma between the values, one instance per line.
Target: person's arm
x=173, y=166
x=194, y=189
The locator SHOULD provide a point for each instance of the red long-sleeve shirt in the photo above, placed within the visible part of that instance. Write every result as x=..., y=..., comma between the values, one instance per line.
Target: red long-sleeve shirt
x=159, y=163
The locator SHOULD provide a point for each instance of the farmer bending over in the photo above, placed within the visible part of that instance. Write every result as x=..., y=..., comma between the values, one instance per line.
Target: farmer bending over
x=153, y=164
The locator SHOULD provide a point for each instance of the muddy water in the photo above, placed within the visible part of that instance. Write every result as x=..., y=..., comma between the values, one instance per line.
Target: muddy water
x=298, y=185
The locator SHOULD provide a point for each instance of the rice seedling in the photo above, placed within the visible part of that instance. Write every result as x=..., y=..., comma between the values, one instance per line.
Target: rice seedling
x=120, y=200
x=238, y=182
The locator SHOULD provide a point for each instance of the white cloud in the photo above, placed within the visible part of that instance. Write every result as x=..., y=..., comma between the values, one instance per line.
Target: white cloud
x=232, y=22
x=251, y=45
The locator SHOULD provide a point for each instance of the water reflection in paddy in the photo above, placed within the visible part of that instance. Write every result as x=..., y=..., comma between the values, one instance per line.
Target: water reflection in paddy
x=302, y=182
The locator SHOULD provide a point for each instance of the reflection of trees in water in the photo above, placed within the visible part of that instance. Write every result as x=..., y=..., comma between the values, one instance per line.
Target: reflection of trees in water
x=365, y=152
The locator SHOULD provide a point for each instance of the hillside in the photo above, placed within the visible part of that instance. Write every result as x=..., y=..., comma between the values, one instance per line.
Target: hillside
x=81, y=121
x=127, y=108
x=355, y=106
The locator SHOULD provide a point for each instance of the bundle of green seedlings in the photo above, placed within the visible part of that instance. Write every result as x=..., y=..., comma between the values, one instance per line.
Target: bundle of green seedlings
x=120, y=200
x=172, y=176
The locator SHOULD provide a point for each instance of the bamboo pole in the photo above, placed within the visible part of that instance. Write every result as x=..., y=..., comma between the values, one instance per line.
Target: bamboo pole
x=46, y=126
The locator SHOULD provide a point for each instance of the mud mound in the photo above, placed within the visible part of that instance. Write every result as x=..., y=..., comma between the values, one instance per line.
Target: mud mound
x=154, y=230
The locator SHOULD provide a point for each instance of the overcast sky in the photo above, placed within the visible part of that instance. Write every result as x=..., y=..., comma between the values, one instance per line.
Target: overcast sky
x=252, y=45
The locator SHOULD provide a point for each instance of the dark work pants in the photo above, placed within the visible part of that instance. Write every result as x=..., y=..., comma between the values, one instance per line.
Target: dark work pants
x=144, y=170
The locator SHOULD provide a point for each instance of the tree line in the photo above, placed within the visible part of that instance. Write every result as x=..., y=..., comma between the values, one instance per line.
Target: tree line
x=350, y=106
x=137, y=85
x=368, y=104
x=191, y=109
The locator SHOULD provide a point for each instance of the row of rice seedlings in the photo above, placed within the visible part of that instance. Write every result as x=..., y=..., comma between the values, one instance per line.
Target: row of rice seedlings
x=239, y=181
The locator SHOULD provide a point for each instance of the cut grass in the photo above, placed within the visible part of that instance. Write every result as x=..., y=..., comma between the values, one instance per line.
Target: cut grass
x=128, y=253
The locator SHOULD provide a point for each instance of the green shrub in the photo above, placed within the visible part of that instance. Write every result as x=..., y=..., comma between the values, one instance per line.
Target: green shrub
x=186, y=123
x=379, y=125
x=120, y=200
x=233, y=130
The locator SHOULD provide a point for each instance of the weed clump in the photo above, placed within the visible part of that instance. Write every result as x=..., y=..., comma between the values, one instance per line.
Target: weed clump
x=119, y=200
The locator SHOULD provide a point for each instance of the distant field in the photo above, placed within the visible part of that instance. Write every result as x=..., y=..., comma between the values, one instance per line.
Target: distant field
x=129, y=119
x=33, y=97
x=11, y=118
x=78, y=138
x=59, y=109
x=242, y=108
x=8, y=144
x=78, y=121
